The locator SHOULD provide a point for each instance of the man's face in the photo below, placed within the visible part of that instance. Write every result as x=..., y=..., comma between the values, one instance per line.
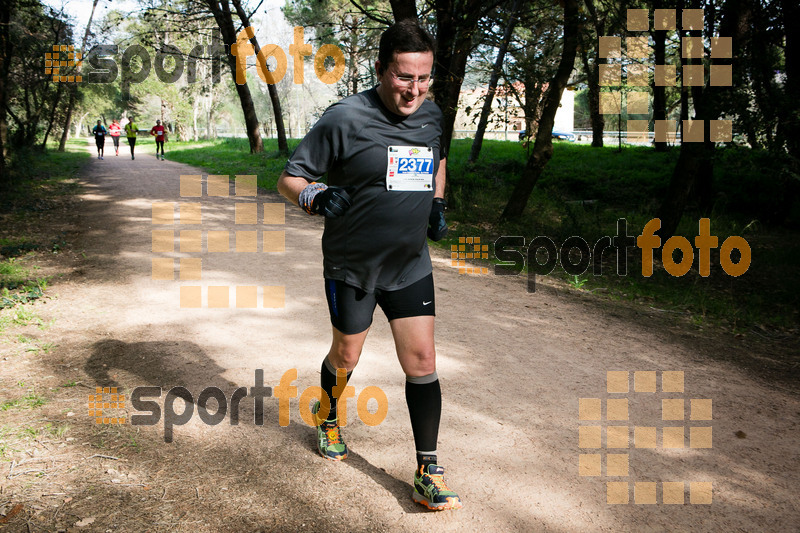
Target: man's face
x=400, y=97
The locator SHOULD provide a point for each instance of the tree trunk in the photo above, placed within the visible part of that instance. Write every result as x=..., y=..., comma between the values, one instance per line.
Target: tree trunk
x=659, y=92
x=6, y=49
x=283, y=145
x=403, y=9
x=498, y=67
x=597, y=119
x=543, y=147
x=52, y=118
x=73, y=88
x=790, y=120
x=695, y=166
x=593, y=93
x=222, y=14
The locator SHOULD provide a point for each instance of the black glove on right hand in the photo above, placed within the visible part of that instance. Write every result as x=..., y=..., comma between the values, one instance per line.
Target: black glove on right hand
x=437, y=226
x=332, y=202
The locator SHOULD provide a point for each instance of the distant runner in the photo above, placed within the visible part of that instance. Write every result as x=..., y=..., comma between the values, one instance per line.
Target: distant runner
x=160, y=132
x=130, y=130
x=115, y=130
x=100, y=133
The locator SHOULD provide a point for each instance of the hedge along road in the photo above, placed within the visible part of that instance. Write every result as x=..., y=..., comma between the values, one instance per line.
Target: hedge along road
x=515, y=437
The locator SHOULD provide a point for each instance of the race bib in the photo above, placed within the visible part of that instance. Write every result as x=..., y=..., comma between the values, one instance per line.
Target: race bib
x=410, y=168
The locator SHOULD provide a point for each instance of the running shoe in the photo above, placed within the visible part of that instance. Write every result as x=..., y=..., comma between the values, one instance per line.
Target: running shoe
x=101, y=158
x=431, y=491
x=329, y=437
x=132, y=158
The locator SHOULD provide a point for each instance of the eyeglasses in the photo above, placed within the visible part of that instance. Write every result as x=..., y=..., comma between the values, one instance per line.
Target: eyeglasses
x=408, y=81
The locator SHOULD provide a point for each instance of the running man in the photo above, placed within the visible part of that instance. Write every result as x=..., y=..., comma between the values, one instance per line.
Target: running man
x=100, y=132
x=382, y=153
x=130, y=131
x=160, y=133
x=114, y=130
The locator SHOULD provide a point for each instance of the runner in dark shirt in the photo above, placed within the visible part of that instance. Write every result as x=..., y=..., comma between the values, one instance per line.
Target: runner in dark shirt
x=385, y=168
x=99, y=132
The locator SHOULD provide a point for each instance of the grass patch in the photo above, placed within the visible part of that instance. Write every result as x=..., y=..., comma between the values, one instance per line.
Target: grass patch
x=583, y=192
x=231, y=156
x=29, y=401
x=38, y=181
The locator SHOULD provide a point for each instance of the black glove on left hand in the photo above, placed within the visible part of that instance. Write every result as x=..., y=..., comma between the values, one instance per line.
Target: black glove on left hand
x=437, y=226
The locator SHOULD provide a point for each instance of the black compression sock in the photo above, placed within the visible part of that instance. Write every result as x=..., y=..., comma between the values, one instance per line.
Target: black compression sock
x=328, y=382
x=424, y=399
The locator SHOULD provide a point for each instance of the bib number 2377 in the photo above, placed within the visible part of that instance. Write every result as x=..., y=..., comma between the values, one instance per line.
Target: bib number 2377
x=410, y=168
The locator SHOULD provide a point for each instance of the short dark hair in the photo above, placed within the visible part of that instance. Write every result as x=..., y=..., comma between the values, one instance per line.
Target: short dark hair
x=404, y=36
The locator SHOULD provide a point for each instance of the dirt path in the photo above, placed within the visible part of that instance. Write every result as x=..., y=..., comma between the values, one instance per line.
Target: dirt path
x=514, y=367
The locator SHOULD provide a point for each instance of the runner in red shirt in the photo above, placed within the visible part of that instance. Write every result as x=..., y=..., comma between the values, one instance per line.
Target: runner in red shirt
x=114, y=130
x=160, y=133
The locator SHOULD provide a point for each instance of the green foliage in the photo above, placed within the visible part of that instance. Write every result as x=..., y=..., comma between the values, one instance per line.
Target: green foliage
x=584, y=191
x=230, y=156
x=30, y=401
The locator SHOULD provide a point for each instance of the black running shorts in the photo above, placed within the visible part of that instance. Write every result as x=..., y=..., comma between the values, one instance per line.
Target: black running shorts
x=351, y=309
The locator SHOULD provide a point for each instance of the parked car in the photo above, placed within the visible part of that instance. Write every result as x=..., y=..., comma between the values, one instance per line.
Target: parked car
x=557, y=135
